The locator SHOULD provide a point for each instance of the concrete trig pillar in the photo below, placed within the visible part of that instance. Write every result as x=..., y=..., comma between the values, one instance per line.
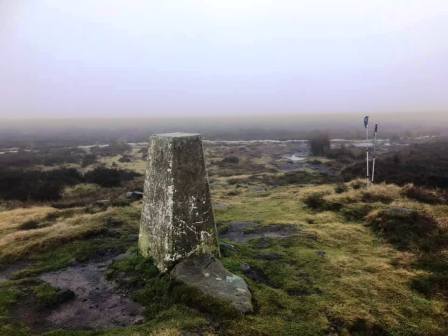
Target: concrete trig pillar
x=177, y=217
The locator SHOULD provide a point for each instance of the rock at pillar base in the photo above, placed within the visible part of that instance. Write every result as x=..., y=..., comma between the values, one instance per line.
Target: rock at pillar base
x=207, y=274
x=177, y=217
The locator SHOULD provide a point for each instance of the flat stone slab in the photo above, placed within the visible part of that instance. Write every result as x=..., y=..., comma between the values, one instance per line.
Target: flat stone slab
x=207, y=274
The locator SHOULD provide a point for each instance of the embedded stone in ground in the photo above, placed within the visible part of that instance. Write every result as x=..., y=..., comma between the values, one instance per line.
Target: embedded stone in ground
x=207, y=274
x=177, y=218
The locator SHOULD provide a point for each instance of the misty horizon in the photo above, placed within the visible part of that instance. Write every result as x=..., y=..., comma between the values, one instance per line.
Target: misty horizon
x=117, y=59
x=83, y=131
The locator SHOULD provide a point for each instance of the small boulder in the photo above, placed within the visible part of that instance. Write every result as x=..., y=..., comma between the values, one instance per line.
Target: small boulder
x=134, y=195
x=207, y=274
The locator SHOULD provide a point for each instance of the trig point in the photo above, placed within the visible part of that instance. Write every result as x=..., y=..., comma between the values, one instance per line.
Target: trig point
x=177, y=217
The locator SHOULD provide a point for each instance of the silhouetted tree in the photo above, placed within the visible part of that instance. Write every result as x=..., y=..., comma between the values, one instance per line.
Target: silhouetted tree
x=320, y=144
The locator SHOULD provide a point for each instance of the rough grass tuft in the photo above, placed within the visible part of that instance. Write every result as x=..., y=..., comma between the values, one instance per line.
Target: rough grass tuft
x=405, y=228
x=49, y=297
x=334, y=278
x=29, y=225
x=424, y=195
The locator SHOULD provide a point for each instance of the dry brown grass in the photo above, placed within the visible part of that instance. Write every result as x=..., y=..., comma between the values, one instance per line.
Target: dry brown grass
x=137, y=164
x=173, y=332
x=363, y=278
x=360, y=276
x=10, y=220
x=15, y=244
x=385, y=193
x=166, y=332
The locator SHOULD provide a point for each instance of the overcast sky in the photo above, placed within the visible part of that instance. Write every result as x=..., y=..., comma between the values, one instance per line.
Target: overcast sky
x=138, y=58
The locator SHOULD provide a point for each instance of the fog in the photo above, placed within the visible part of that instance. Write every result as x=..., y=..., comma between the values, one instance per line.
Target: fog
x=154, y=59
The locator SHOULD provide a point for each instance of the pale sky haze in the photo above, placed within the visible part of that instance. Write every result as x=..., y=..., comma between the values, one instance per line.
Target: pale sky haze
x=143, y=58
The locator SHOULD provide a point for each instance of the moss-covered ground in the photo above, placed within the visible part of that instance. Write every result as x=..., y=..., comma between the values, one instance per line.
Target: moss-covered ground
x=342, y=274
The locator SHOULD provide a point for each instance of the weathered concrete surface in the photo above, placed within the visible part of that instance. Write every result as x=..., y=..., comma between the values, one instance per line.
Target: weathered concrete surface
x=207, y=274
x=177, y=216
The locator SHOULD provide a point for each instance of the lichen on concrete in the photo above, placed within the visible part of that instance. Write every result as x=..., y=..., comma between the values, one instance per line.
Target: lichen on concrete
x=177, y=216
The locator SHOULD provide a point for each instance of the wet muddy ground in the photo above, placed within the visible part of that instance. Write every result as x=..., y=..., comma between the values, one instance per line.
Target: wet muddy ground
x=8, y=272
x=241, y=232
x=97, y=302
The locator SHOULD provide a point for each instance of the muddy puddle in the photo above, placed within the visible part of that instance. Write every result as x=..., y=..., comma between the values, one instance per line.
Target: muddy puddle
x=241, y=232
x=97, y=303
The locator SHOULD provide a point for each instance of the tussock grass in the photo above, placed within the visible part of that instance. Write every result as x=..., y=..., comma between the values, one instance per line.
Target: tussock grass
x=360, y=285
x=16, y=244
x=166, y=332
x=381, y=193
x=336, y=277
x=11, y=220
x=136, y=164
x=80, y=190
x=425, y=195
x=406, y=228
